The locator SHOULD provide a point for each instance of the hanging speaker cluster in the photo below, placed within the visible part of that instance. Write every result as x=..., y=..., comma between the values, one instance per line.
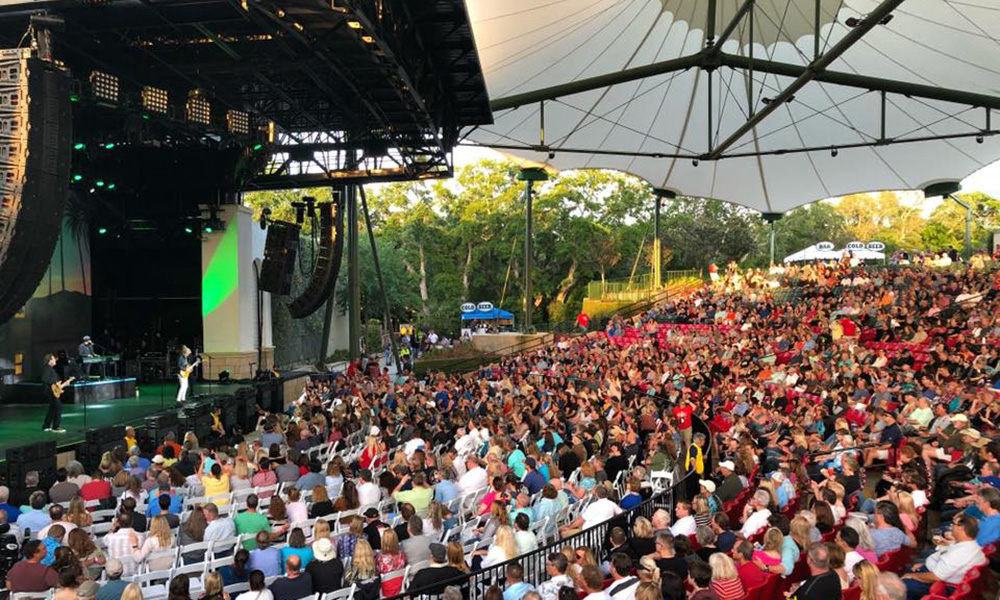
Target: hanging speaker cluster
x=329, y=253
x=280, y=250
x=35, y=136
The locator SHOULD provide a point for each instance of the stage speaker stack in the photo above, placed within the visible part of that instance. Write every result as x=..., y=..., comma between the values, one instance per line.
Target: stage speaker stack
x=196, y=418
x=35, y=155
x=155, y=430
x=246, y=408
x=39, y=456
x=279, y=258
x=97, y=442
x=328, y=259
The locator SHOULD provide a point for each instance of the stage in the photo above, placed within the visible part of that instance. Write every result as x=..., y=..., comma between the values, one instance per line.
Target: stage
x=22, y=423
x=80, y=392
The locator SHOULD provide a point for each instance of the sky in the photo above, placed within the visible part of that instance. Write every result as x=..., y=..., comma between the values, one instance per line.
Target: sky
x=986, y=180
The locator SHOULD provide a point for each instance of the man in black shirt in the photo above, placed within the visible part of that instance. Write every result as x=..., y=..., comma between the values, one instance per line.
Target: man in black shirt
x=50, y=378
x=616, y=462
x=823, y=583
x=889, y=439
x=326, y=570
x=295, y=584
x=437, y=574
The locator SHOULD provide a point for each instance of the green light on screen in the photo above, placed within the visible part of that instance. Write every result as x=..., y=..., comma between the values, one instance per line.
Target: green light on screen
x=221, y=276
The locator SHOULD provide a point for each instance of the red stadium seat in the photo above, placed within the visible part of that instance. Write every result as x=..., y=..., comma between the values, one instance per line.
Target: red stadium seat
x=851, y=593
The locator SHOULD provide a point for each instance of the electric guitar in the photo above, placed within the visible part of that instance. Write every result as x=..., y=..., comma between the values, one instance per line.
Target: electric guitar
x=186, y=371
x=59, y=387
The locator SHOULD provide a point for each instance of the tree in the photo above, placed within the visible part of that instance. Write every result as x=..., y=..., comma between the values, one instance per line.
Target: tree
x=946, y=224
x=883, y=217
x=802, y=227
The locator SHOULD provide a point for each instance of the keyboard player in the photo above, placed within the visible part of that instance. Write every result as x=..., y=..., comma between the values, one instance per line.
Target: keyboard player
x=85, y=351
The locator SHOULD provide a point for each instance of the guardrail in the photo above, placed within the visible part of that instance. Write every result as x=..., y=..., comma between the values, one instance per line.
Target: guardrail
x=634, y=288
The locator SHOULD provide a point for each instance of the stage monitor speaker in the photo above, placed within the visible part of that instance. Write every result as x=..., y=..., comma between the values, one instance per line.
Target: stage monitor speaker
x=15, y=472
x=246, y=408
x=35, y=155
x=280, y=251
x=324, y=275
x=106, y=435
x=31, y=452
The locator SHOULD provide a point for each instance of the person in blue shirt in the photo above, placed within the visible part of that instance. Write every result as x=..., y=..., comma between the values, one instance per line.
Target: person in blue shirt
x=533, y=480
x=37, y=517
x=515, y=460
x=12, y=511
x=988, y=500
x=445, y=490
x=52, y=541
x=153, y=506
x=516, y=588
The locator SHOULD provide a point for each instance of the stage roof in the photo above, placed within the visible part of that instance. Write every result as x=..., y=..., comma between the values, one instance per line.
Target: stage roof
x=394, y=81
x=770, y=104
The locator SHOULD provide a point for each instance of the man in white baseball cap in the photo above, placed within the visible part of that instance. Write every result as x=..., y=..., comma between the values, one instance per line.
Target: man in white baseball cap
x=731, y=484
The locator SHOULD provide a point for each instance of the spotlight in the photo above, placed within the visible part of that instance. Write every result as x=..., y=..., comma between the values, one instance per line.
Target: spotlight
x=77, y=177
x=834, y=151
x=188, y=230
x=367, y=39
x=552, y=155
x=102, y=230
x=208, y=229
x=79, y=146
x=198, y=109
x=852, y=22
x=104, y=86
x=224, y=376
x=979, y=139
x=354, y=24
x=264, y=214
x=99, y=183
x=695, y=162
x=766, y=100
x=885, y=20
x=238, y=122
x=109, y=145
x=154, y=99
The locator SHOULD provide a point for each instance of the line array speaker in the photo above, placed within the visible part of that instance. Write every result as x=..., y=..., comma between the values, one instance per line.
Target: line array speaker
x=331, y=249
x=35, y=134
x=278, y=266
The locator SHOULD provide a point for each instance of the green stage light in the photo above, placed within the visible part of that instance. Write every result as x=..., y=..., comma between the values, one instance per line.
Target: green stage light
x=77, y=177
x=188, y=230
x=257, y=146
x=99, y=183
x=102, y=230
x=111, y=186
x=74, y=98
x=109, y=145
x=208, y=229
x=79, y=146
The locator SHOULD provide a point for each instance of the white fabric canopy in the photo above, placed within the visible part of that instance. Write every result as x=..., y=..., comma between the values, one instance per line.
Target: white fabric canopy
x=813, y=253
x=530, y=45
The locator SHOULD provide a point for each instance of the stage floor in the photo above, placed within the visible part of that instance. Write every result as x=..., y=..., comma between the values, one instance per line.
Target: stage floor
x=22, y=423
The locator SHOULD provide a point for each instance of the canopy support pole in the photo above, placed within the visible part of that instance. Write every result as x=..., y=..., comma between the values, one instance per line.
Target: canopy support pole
x=529, y=176
x=353, y=275
x=657, y=253
x=967, y=252
x=852, y=37
x=771, y=219
x=381, y=284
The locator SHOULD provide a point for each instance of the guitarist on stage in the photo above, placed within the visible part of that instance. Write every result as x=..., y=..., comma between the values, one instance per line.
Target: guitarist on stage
x=184, y=370
x=50, y=379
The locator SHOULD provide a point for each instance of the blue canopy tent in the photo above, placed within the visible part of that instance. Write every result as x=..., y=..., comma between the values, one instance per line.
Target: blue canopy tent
x=495, y=314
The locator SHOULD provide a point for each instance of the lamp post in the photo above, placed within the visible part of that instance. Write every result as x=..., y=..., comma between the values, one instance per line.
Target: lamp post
x=771, y=219
x=529, y=176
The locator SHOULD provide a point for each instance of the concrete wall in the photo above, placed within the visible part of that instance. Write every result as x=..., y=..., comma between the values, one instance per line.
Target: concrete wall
x=507, y=343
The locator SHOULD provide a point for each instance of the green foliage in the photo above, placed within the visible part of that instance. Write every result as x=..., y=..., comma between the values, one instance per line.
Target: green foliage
x=446, y=242
x=373, y=336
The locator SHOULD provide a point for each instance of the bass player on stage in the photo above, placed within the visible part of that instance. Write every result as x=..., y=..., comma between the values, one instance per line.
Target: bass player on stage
x=53, y=390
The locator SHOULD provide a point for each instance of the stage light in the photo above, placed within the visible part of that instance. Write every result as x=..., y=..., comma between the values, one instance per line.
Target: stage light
x=238, y=122
x=99, y=183
x=695, y=162
x=208, y=229
x=834, y=152
x=104, y=86
x=102, y=230
x=979, y=139
x=111, y=186
x=198, y=109
x=367, y=39
x=852, y=22
x=885, y=20
x=354, y=24
x=188, y=230
x=257, y=147
x=79, y=146
x=224, y=376
x=77, y=177
x=109, y=146
x=154, y=100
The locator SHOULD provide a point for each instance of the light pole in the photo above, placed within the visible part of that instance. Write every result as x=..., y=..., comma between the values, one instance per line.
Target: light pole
x=529, y=176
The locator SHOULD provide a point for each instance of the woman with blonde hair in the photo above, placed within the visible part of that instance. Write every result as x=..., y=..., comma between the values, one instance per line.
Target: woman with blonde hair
x=725, y=580
x=213, y=587
x=437, y=513
x=77, y=513
x=240, y=477
x=643, y=540
x=799, y=530
x=363, y=573
x=374, y=452
x=907, y=511
x=648, y=590
x=702, y=515
x=191, y=442
x=321, y=529
x=771, y=553
x=866, y=575
x=132, y=591
x=347, y=542
x=159, y=538
x=648, y=571
x=501, y=550
x=388, y=559
x=837, y=558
